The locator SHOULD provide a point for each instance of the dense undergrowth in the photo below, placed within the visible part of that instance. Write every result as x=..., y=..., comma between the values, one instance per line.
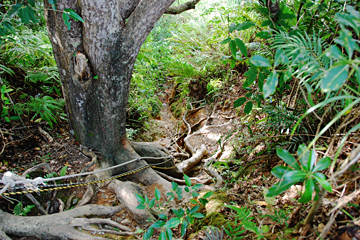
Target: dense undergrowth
x=298, y=65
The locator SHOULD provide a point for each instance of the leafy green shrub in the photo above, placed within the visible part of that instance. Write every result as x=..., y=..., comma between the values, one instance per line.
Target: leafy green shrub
x=47, y=108
x=48, y=77
x=184, y=217
x=20, y=210
x=306, y=172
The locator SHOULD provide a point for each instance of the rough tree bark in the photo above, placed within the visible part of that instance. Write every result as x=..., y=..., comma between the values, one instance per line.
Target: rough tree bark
x=95, y=61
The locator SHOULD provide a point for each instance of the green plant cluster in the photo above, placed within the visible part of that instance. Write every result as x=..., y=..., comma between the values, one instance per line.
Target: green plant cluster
x=184, y=217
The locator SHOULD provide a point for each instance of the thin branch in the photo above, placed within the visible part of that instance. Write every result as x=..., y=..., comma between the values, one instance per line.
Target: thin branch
x=182, y=8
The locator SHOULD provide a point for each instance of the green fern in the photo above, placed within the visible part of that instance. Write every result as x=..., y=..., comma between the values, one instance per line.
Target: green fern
x=306, y=54
x=47, y=108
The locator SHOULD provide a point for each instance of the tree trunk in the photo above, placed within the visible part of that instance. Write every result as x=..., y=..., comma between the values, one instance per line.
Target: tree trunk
x=95, y=61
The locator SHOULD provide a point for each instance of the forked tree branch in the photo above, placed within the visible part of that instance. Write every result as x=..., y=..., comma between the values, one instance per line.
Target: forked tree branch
x=182, y=8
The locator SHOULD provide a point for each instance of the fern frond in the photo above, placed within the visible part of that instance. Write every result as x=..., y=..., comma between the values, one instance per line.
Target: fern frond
x=306, y=53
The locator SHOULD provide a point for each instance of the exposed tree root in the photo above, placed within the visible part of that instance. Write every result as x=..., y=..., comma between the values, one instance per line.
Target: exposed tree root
x=64, y=225
x=155, y=150
x=182, y=182
x=214, y=174
x=125, y=192
x=186, y=165
x=3, y=236
x=88, y=194
x=90, y=164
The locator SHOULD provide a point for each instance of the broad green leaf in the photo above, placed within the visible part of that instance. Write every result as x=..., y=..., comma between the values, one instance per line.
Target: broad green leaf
x=227, y=40
x=241, y=46
x=24, y=14
x=66, y=20
x=353, y=11
x=323, y=164
x=263, y=35
x=248, y=107
x=178, y=212
x=248, y=95
x=309, y=189
x=168, y=233
x=252, y=71
x=174, y=222
x=14, y=9
x=244, y=26
x=193, y=201
x=190, y=219
x=280, y=187
x=266, y=23
x=174, y=186
x=197, y=215
x=194, y=209
x=162, y=236
x=287, y=16
x=288, y=158
x=208, y=194
x=152, y=203
x=18, y=208
x=240, y=101
x=162, y=216
x=233, y=48
x=288, y=74
x=295, y=176
x=250, y=80
x=334, y=78
x=195, y=194
x=348, y=20
x=32, y=14
x=157, y=194
x=283, y=23
x=304, y=156
x=280, y=170
x=184, y=226
x=158, y=224
x=346, y=40
x=312, y=160
x=203, y=201
x=280, y=57
x=250, y=226
x=140, y=198
x=335, y=53
x=232, y=63
x=76, y=17
x=63, y=170
x=320, y=178
x=31, y=2
x=260, y=61
x=232, y=27
x=187, y=180
x=141, y=206
x=271, y=84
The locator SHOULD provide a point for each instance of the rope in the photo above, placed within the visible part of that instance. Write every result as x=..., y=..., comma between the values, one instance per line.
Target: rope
x=10, y=180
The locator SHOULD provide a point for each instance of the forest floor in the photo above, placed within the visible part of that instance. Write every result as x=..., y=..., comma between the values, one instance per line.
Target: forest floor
x=244, y=165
